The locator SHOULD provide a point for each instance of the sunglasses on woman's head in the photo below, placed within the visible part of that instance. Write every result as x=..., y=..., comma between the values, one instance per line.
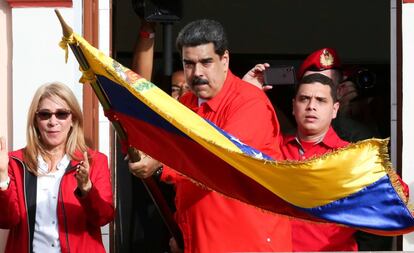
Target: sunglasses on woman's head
x=59, y=114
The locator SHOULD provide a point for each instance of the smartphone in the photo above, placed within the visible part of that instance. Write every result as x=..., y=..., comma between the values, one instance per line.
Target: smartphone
x=281, y=75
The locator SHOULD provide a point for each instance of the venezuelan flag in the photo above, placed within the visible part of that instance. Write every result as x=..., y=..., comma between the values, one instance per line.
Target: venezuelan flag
x=355, y=186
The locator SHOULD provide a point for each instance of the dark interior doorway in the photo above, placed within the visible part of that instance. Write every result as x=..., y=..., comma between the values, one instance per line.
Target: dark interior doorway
x=278, y=32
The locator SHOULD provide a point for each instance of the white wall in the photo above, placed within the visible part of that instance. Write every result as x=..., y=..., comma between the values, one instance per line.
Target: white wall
x=408, y=104
x=37, y=59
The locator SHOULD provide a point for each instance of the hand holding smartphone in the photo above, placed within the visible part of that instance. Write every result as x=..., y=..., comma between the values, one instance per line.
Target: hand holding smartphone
x=281, y=75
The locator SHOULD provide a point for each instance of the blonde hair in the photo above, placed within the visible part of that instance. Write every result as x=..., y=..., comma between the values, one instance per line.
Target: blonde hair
x=75, y=141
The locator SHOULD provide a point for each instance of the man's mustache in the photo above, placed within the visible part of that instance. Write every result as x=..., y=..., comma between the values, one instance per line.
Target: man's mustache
x=198, y=80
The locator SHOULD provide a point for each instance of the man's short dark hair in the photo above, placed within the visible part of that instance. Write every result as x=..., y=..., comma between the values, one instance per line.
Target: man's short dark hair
x=318, y=78
x=202, y=32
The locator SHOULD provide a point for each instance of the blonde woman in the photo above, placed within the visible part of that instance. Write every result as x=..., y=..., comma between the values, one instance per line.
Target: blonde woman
x=55, y=193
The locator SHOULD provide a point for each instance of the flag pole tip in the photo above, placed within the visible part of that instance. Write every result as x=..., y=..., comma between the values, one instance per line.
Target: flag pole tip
x=67, y=30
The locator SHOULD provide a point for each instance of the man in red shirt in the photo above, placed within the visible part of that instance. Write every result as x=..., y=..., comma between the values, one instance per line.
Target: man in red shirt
x=209, y=221
x=326, y=61
x=314, y=106
x=317, y=236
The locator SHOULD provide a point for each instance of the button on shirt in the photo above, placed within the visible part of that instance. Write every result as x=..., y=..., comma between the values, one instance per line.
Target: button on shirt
x=46, y=235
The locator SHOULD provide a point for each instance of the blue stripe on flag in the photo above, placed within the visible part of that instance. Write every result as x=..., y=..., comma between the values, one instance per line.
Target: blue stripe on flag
x=377, y=206
x=125, y=102
x=243, y=147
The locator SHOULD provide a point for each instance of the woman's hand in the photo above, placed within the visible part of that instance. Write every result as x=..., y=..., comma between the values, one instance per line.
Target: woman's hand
x=4, y=160
x=82, y=175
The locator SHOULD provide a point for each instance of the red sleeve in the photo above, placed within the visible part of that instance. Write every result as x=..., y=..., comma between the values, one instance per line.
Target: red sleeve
x=169, y=175
x=98, y=203
x=9, y=204
x=255, y=124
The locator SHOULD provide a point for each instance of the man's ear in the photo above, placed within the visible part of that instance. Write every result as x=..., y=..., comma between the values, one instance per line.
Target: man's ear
x=335, y=109
x=225, y=59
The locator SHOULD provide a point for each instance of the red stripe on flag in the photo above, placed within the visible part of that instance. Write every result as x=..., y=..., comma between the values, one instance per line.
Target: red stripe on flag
x=194, y=161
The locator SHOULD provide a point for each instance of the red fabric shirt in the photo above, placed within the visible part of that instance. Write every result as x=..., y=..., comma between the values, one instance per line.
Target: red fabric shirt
x=308, y=236
x=79, y=219
x=209, y=221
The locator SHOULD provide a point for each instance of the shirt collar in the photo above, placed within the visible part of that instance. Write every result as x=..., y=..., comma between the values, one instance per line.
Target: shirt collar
x=330, y=139
x=201, y=101
x=43, y=167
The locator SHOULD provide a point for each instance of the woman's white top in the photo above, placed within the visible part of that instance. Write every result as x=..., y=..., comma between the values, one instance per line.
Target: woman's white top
x=46, y=234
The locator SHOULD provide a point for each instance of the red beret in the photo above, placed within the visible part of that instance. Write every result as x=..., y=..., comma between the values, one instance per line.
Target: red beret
x=322, y=59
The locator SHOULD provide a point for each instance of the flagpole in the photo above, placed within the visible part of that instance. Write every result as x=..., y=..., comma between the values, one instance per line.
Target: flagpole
x=149, y=183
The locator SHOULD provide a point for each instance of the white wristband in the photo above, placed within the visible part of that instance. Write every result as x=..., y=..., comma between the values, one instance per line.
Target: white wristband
x=5, y=184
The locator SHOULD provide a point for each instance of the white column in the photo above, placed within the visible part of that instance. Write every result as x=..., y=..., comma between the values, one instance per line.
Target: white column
x=408, y=104
x=5, y=86
x=104, y=126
